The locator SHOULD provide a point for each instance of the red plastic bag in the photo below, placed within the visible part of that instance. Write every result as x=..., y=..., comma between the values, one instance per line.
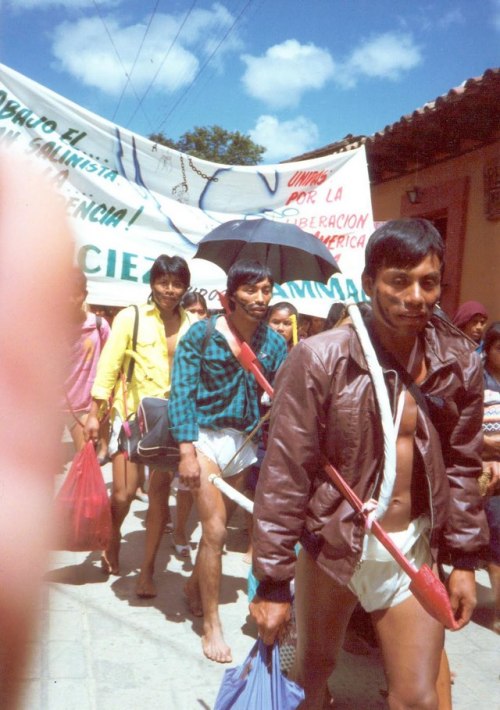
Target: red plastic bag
x=82, y=509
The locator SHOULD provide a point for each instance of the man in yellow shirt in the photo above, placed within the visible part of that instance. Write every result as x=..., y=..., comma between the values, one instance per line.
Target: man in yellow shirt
x=161, y=323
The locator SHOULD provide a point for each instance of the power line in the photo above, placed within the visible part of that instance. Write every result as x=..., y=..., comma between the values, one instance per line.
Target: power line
x=119, y=57
x=209, y=75
x=141, y=100
x=203, y=66
x=136, y=59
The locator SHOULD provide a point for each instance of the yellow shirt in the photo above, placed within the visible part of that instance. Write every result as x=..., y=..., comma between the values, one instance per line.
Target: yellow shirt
x=151, y=377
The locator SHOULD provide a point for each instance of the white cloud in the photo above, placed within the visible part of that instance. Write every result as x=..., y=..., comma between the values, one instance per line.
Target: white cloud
x=83, y=49
x=284, y=139
x=286, y=71
x=387, y=56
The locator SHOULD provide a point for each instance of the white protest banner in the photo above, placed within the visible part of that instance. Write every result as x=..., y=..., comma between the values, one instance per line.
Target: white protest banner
x=129, y=199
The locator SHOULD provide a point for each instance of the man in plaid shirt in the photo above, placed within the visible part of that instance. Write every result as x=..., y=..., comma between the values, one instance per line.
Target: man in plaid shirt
x=214, y=406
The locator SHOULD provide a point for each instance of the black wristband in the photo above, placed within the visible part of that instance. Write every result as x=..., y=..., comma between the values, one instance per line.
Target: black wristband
x=464, y=561
x=274, y=591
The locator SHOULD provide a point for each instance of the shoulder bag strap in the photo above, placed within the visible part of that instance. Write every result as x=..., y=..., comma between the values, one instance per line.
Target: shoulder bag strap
x=131, y=364
x=126, y=380
x=208, y=334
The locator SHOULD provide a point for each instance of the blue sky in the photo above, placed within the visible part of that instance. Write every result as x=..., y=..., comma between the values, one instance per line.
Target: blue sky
x=293, y=74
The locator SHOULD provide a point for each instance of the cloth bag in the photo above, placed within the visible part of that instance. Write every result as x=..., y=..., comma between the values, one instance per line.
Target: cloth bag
x=82, y=508
x=258, y=683
x=146, y=437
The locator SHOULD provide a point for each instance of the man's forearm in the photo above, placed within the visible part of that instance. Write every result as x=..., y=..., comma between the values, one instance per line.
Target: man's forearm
x=491, y=447
x=187, y=449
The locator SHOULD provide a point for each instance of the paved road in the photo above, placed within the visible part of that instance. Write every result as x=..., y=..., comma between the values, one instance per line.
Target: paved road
x=100, y=647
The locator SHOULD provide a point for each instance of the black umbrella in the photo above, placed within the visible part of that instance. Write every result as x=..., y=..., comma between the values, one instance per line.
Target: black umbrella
x=288, y=251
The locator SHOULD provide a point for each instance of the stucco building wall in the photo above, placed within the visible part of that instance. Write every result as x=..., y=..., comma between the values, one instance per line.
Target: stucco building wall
x=453, y=194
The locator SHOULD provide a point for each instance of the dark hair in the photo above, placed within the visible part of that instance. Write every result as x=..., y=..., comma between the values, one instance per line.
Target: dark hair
x=246, y=272
x=335, y=314
x=282, y=306
x=192, y=297
x=402, y=243
x=79, y=280
x=491, y=336
x=172, y=266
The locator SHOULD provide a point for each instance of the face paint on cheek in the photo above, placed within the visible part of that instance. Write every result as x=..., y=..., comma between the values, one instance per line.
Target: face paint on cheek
x=242, y=304
x=248, y=308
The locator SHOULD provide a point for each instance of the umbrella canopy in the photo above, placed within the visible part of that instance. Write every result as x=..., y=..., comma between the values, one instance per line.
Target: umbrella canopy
x=288, y=251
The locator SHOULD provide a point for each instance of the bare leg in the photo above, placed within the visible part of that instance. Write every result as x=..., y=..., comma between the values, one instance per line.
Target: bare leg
x=247, y=557
x=76, y=432
x=141, y=485
x=322, y=609
x=494, y=572
x=411, y=642
x=443, y=685
x=183, y=509
x=159, y=490
x=102, y=450
x=123, y=492
x=206, y=577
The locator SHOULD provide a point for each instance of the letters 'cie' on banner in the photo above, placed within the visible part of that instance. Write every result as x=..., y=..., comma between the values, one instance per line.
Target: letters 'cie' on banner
x=129, y=199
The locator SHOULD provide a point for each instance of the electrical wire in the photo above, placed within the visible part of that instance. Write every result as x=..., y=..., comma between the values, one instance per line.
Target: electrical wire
x=129, y=76
x=208, y=77
x=141, y=100
x=119, y=58
x=204, y=65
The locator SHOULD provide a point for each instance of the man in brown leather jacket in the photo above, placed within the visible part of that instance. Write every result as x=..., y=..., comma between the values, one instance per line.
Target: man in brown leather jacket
x=325, y=405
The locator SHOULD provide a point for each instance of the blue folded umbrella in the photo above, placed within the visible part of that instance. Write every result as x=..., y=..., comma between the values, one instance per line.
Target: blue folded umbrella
x=258, y=683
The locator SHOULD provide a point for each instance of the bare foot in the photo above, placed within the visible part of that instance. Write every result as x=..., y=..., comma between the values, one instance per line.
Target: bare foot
x=110, y=558
x=247, y=557
x=214, y=646
x=180, y=538
x=193, y=599
x=146, y=588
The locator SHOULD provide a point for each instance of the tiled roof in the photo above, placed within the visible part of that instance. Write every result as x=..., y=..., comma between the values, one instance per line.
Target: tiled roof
x=464, y=119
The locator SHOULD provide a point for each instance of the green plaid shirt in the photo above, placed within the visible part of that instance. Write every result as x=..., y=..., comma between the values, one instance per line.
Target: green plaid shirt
x=214, y=391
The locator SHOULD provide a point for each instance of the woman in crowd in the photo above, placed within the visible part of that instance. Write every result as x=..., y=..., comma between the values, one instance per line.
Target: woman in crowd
x=195, y=302
x=87, y=337
x=279, y=318
x=471, y=318
x=161, y=322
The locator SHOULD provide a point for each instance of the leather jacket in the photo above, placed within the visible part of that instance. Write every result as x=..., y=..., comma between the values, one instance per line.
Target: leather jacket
x=325, y=404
